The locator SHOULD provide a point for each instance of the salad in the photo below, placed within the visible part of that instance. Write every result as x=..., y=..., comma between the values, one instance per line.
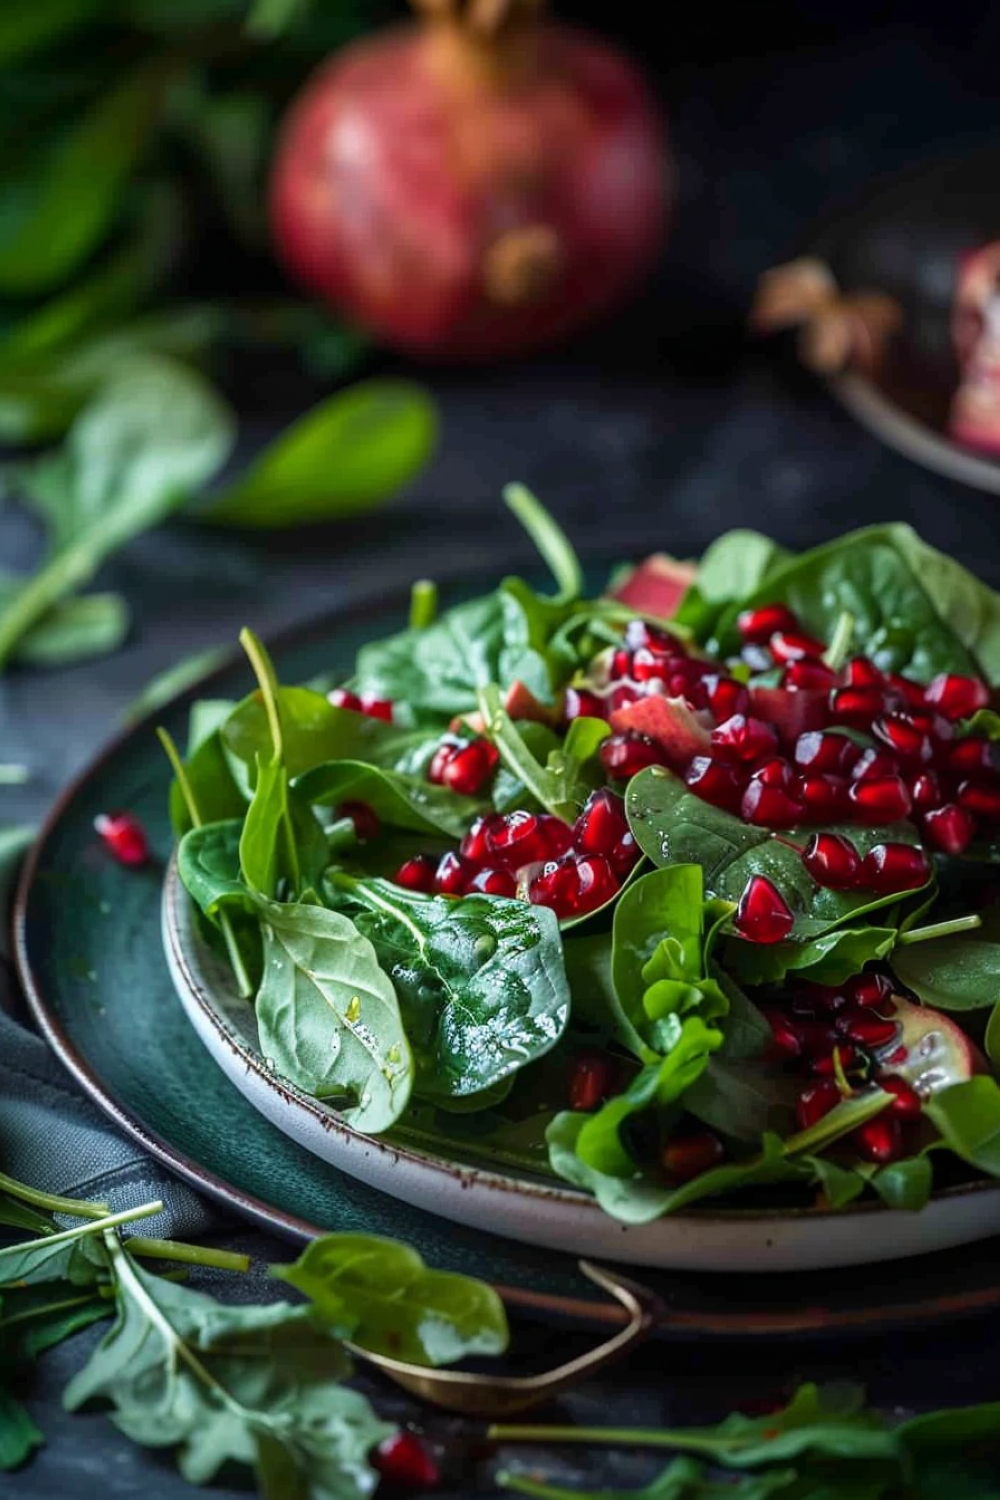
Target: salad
x=686, y=891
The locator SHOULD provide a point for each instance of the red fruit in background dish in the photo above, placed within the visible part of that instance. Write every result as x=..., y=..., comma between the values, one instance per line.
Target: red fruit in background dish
x=655, y=587
x=903, y=737
x=832, y=861
x=669, y=723
x=786, y=1041
x=763, y=915
x=949, y=828
x=957, y=697
x=376, y=708
x=758, y=625
x=124, y=837
x=442, y=755
x=474, y=187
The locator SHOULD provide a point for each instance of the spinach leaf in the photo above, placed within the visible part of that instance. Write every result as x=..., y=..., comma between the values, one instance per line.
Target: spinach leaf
x=744, y=1098
x=481, y=980
x=328, y=1014
x=968, y=1118
x=72, y=630
x=400, y=800
x=208, y=862
x=904, y=1184
x=549, y=538
x=831, y=958
x=992, y=1039
x=380, y=1295
x=212, y=786
x=571, y=772
x=734, y=566
x=672, y=826
x=260, y=1386
x=633, y=1200
x=346, y=455
x=18, y=1433
x=951, y=973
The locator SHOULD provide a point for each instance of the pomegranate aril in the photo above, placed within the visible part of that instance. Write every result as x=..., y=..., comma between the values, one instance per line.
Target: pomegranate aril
x=879, y=1140
x=824, y=997
x=834, y=754
x=880, y=799
x=344, y=698
x=641, y=633
x=124, y=837
x=907, y=1104
x=448, y=747
x=786, y=1041
x=689, y=687
x=788, y=646
x=758, y=625
x=872, y=763
x=815, y=1101
x=625, y=755
x=871, y=992
x=867, y=1029
x=621, y=664
x=470, y=768
x=855, y=705
x=376, y=708
x=742, y=738
x=476, y=843
x=688, y=1156
x=957, y=697
x=591, y=1080
x=903, y=737
x=367, y=824
x=520, y=838
x=493, y=883
x=601, y=825
x=581, y=703
x=726, y=697
x=573, y=886
x=405, y=1463
x=983, y=801
x=832, y=861
x=652, y=666
x=775, y=771
x=763, y=915
x=452, y=876
x=769, y=807
x=621, y=695
x=818, y=1036
x=972, y=757
x=925, y=791
x=625, y=855
x=862, y=673
x=842, y=1059
x=714, y=781
x=905, y=689
x=949, y=828
x=823, y=798
x=417, y=874
x=812, y=675
x=757, y=658
x=894, y=868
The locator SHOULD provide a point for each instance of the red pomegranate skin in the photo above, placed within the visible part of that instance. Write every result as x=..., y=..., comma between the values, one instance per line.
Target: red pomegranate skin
x=396, y=177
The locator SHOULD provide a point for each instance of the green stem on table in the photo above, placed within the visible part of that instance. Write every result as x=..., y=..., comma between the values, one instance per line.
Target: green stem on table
x=95, y=1226
x=243, y=981
x=423, y=604
x=713, y=1447
x=836, y=653
x=78, y=1208
x=939, y=930
x=187, y=1255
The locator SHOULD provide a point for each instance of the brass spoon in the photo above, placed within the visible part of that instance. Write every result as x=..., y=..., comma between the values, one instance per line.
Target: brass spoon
x=501, y=1395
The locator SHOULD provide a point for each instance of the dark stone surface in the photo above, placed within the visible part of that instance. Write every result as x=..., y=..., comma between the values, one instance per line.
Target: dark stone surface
x=660, y=432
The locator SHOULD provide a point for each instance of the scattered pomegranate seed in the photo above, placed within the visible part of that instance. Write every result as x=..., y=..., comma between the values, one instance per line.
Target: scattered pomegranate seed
x=476, y=843
x=894, y=868
x=406, y=1463
x=867, y=1029
x=983, y=801
x=726, y=697
x=907, y=1103
x=862, y=673
x=367, y=824
x=843, y=1058
x=688, y=1156
x=471, y=767
x=879, y=1140
x=714, y=781
x=788, y=646
x=871, y=992
x=832, y=754
x=573, y=886
x=124, y=837
x=903, y=736
x=763, y=915
x=417, y=874
x=823, y=798
x=925, y=791
x=601, y=825
x=625, y=755
x=376, y=708
x=815, y=1101
x=580, y=703
x=972, y=757
x=344, y=698
x=786, y=1041
x=855, y=705
x=769, y=806
x=493, y=883
x=757, y=626
x=813, y=676
x=521, y=838
x=591, y=1080
x=832, y=861
x=872, y=763
x=957, y=697
x=949, y=828
x=453, y=874
x=880, y=799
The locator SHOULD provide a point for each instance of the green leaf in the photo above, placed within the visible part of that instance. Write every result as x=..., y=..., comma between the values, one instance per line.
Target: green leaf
x=348, y=454
x=18, y=1434
x=684, y=1479
x=951, y=973
x=662, y=904
x=22, y=1216
x=80, y=194
x=742, y=1097
x=380, y=1295
x=38, y=1317
x=905, y=1184
x=73, y=630
x=481, y=979
x=27, y=28
x=736, y=564
x=968, y=1118
x=831, y=958
x=992, y=1038
x=399, y=799
x=571, y=772
x=208, y=862
x=328, y=1014
x=73, y=1256
x=213, y=787
x=550, y=540
x=633, y=1200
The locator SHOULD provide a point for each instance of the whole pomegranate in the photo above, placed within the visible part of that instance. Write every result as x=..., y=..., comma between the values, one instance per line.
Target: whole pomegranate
x=472, y=186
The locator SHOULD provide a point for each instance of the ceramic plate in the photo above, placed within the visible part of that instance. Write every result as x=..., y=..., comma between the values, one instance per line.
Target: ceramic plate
x=91, y=959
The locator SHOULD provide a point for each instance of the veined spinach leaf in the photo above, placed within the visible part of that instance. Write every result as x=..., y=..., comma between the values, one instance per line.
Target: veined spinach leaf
x=968, y=1117
x=951, y=973
x=571, y=772
x=481, y=980
x=829, y=959
x=208, y=862
x=400, y=800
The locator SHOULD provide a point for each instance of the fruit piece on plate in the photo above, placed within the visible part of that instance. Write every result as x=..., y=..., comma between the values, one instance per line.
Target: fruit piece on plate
x=668, y=721
x=930, y=1052
x=657, y=585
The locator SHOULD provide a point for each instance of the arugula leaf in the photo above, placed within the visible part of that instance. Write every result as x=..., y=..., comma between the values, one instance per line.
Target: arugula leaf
x=328, y=1014
x=481, y=980
x=19, y=1435
x=380, y=1295
x=951, y=973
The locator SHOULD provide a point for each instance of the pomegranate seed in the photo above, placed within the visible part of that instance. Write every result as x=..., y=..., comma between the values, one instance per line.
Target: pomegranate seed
x=825, y=997
x=880, y=799
x=982, y=800
x=376, y=708
x=652, y=666
x=591, y=1080
x=602, y=825
x=871, y=992
x=957, y=697
x=786, y=1041
x=625, y=855
x=621, y=664
x=855, y=705
x=344, y=698
x=925, y=791
x=817, y=1037
x=892, y=868
x=769, y=807
x=640, y=633
x=832, y=861
x=867, y=1029
x=726, y=697
x=476, y=844
x=844, y=1057
x=124, y=837
x=879, y=1140
x=763, y=915
x=404, y=1462
x=367, y=824
x=906, y=689
x=788, y=646
x=470, y=768
x=714, y=781
x=832, y=754
x=452, y=876
x=622, y=695
x=448, y=747
x=757, y=658
x=902, y=735
x=689, y=686
x=417, y=874
x=897, y=1058
x=493, y=883
x=573, y=886
x=625, y=755
x=774, y=772
x=972, y=757
x=521, y=838
x=862, y=673
x=815, y=1101
x=688, y=1156
x=580, y=703
x=822, y=797
x=814, y=676
x=907, y=1104
x=949, y=828
x=872, y=763
x=758, y=625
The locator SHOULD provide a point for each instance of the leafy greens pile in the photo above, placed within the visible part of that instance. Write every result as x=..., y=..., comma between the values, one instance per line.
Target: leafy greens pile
x=455, y=1021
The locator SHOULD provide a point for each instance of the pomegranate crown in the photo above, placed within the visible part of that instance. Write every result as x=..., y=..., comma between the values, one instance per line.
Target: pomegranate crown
x=482, y=19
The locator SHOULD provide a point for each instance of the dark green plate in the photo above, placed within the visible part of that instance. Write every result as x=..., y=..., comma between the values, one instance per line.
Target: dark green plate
x=90, y=957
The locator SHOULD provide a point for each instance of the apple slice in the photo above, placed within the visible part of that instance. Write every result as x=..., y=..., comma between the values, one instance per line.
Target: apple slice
x=657, y=585
x=675, y=726
x=930, y=1051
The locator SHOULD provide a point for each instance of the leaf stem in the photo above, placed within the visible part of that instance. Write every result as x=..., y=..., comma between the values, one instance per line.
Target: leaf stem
x=81, y=1231
x=264, y=672
x=523, y=1484
x=549, y=538
x=29, y=1314
x=513, y=751
x=177, y=766
x=187, y=1255
x=836, y=653
x=79, y=1208
x=423, y=603
x=940, y=929
x=627, y=1437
